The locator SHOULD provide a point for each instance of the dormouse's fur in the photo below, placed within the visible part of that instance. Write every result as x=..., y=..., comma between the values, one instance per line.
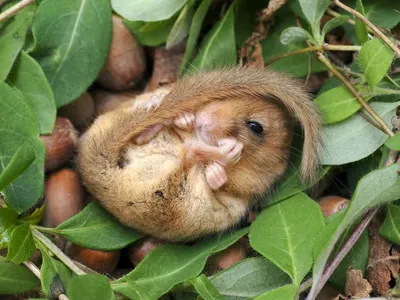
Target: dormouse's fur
x=153, y=188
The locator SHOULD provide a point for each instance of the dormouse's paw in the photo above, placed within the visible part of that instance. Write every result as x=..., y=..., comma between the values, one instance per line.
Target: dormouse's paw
x=185, y=121
x=230, y=151
x=148, y=134
x=155, y=101
x=215, y=176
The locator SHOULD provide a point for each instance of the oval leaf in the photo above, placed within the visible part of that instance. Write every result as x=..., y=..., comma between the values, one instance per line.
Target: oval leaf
x=249, y=278
x=89, y=287
x=205, y=288
x=376, y=188
x=28, y=78
x=313, y=10
x=338, y=104
x=18, y=126
x=158, y=275
x=181, y=27
x=15, y=278
x=394, y=142
x=73, y=52
x=95, y=228
x=354, y=138
x=21, y=246
x=218, y=48
x=375, y=59
x=293, y=35
x=333, y=23
x=194, y=33
x=287, y=292
x=284, y=234
x=391, y=226
x=149, y=10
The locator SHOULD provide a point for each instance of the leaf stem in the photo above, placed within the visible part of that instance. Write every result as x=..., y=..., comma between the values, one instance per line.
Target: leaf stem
x=44, y=229
x=57, y=252
x=363, y=103
x=14, y=9
x=370, y=25
x=325, y=47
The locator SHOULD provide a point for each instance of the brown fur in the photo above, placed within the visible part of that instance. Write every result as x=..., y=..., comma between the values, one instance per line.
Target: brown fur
x=149, y=188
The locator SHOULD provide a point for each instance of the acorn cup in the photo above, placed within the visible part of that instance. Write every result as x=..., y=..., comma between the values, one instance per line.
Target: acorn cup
x=60, y=144
x=126, y=60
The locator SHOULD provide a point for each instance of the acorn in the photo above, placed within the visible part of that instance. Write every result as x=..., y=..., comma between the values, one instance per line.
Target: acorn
x=108, y=101
x=138, y=250
x=80, y=112
x=126, y=60
x=332, y=204
x=99, y=261
x=60, y=144
x=228, y=257
x=64, y=197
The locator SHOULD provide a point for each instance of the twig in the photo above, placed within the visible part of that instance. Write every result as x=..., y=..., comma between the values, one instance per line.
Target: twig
x=396, y=257
x=370, y=121
x=57, y=252
x=370, y=25
x=363, y=103
x=14, y=9
x=305, y=285
x=350, y=21
x=325, y=47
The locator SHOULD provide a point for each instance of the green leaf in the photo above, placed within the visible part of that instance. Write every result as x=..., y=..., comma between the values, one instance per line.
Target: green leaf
x=293, y=35
x=18, y=126
x=394, y=142
x=218, y=48
x=135, y=291
x=21, y=160
x=149, y=10
x=313, y=10
x=333, y=23
x=12, y=38
x=89, y=287
x=249, y=278
x=376, y=188
x=157, y=275
x=375, y=59
x=8, y=218
x=284, y=234
x=338, y=104
x=181, y=27
x=194, y=33
x=15, y=278
x=360, y=27
x=354, y=138
x=391, y=226
x=205, y=288
x=95, y=228
x=72, y=51
x=287, y=292
x=296, y=65
x=357, y=258
x=21, y=246
x=28, y=78
x=50, y=271
x=384, y=13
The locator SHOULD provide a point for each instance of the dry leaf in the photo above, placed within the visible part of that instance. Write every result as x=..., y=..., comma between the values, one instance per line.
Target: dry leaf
x=356, y=285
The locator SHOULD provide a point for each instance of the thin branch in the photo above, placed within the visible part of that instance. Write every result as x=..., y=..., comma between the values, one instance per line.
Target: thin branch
x=32, y=267
x=14, y=9
x=370, y=121
x=325, y=47
x=57, y=252
x=370, y=25
x=305, y=285
x=363, y=103
x=333, y=13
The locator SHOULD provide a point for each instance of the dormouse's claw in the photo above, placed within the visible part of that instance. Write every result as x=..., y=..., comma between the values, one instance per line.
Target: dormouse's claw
x=230, y=151
x=185, y=121
x=215, y=176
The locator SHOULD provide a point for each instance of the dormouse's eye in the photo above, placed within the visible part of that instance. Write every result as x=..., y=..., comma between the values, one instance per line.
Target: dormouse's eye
x=255, y=127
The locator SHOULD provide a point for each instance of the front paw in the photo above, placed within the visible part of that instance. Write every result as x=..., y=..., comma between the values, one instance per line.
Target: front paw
x=230, y=151
x=185, y=121
x=215, y=176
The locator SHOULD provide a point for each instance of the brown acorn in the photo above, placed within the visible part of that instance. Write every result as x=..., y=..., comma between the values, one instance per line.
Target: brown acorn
x=126, y=60
x=80, y=111
x=100, y=261
x=228, y=257
x=60, y=144
x=64, y=197
x=107, y=101
x=139, y=250
x=332, y=204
